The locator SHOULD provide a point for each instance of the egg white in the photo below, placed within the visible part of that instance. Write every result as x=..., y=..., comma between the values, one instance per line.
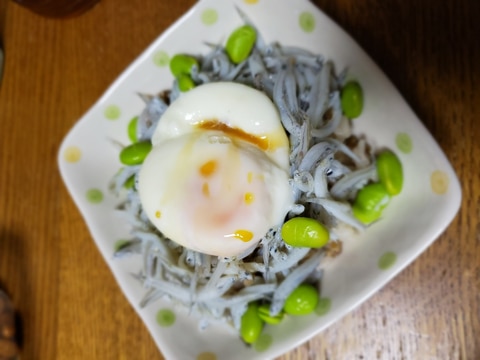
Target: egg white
x=236, y=105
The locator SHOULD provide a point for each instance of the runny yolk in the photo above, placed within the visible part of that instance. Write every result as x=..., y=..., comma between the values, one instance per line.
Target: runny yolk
x=158, y=214
x=250, y=177
x=208, y=168
x=249, y=198
x=243, y=235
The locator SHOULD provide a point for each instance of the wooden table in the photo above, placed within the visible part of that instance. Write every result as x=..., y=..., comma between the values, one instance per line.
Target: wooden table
x=68, y=301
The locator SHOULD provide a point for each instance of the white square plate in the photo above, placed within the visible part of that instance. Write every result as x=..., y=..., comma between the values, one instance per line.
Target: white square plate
x=414, y=219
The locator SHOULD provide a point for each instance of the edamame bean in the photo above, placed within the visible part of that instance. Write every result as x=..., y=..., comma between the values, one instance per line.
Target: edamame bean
x=302, y=301
x=370, y=202
x=250, y=324
x=132, y=129
x=351, y=99
x=135, y=154
x=240, y=43
x=130, y=182
x=185, y=83
x=264, y=314
x=390, y=172
x=305, y=232
x=182, y=64
x=365, y=216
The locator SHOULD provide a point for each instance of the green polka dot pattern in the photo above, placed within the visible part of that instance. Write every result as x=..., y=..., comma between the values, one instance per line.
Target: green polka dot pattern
x=94, y=196
x=404, y=143
x=161, y=58
x=263, y=343
x=209, y=16
x=112, y=112
x=387, y=260
x=323, y=307
x=307, y=22
x=165, y=317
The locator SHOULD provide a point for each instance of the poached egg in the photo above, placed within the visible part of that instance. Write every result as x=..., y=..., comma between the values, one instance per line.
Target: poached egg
x=217, y=177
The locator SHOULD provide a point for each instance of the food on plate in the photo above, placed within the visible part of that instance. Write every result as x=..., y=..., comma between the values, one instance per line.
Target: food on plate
x=227, y=165
x=243, y=176
x=135, y=153
x=264, y=314
x=182, y=64
x=370, y=202
x=304, y=232
x=302, y=300
x=352, y=99
x=390, y=172
x=240, y=43
x=251, y=324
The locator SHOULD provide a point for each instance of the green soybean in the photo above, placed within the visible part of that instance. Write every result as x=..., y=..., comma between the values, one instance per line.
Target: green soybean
x=390, y=172
x=185, y=83
x=240, y=43
x=130, y=182
x=302, y=301
x=305, y=232
x=132, y=129
x=370, y=202
x=351, y=99
x=134, y=154
x=264, y=314
x=182, y=64
x=365, y=216
x=250, y=324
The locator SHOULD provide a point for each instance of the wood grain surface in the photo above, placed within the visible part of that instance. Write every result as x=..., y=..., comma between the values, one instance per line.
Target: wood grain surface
x=68, y=302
